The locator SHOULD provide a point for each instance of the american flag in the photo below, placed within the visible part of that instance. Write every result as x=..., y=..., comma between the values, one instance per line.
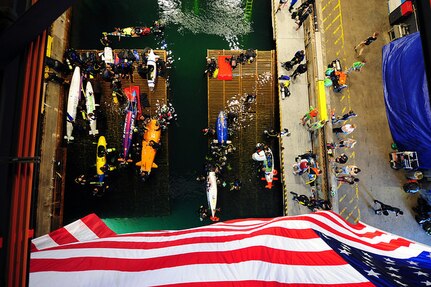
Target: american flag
x=319, y=249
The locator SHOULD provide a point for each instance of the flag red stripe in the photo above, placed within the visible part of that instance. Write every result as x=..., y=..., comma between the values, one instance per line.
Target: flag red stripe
x=62, y=236
x=274, y=231
x=217, y=227
x=259, y=253
x=98, y=226
x=255, y=283
x=331, y=215
x=354, y=228
x=385, y=246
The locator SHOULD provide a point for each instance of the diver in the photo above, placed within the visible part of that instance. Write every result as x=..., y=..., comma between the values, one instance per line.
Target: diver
x=250, y=55
x=209, y=131
x=104, y=40
x=144, y=175
x=232, y=61
x=141, y=31
x=271, y=133
x=158, y=27
x=154, y=144
x=203, y=213
x=143, y=71
x=72, y=58
x=236, y=185
x=161, y=67
x=81, y=180
x=211, y=66
x=242, y=58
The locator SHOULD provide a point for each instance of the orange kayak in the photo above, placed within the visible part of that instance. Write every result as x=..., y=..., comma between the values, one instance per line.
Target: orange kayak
x=150, y=144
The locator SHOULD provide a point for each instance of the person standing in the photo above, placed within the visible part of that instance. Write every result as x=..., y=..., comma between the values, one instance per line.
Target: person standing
x=345, y=129
x=301, y=69
x=347, y=179
x=366, y=42
x=347, y=170
x=316, y=126
x=343, y=118
x=347, y=143
x=299, y=56
x=303, y=16
x=342, y=158
x=312, y=113
x=292, y=3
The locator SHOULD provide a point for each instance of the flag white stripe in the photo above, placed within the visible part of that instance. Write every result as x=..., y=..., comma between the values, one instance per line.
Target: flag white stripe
x=44, y=241
x=250, y=270
x=270, y=241
x=80, y=231
x=401, y=252
x=287, y=224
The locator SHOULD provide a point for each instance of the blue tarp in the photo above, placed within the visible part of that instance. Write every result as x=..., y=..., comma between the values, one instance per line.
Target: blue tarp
x=406, y=97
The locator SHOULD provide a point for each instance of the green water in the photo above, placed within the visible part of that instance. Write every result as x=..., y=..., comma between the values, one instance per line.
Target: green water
x=192, y=27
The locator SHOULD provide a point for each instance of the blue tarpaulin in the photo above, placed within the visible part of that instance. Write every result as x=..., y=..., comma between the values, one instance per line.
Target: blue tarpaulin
x=407, y=98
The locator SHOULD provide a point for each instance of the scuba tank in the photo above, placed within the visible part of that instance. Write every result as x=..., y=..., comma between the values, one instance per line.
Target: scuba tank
x=284, y=89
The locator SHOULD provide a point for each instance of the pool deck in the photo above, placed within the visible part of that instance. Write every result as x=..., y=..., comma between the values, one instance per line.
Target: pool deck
x=303, y=95
x=256, y=78
x=126, y=189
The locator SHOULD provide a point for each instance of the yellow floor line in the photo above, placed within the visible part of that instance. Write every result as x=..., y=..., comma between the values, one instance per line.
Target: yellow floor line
x=332, y=23
x=342, y=198
x=336, y=30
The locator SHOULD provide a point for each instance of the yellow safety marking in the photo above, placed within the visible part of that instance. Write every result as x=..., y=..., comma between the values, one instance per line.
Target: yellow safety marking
x=339, y=185
x=342, y=198
x=350, y=214
x=329, y=15
x=342, y=111
x=342, y=98
x=323, y=112
x=337, y=6
x=353, y=155
x=351, y=200
x=327, y=3
x=338, y=40
x=358, y=216
x=342, y=211
x=336, y=30
x=333, y=21
x=49, y=46
x=338, y=53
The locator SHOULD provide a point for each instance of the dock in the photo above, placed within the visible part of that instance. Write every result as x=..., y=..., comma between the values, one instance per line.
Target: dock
x=257, y=78
x=128, y=195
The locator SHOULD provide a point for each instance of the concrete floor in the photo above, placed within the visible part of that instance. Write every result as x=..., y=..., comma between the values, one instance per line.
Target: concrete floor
x=344, y=25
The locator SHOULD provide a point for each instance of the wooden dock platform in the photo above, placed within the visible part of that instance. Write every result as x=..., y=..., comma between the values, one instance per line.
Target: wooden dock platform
x=258, y=78
x=150, y=198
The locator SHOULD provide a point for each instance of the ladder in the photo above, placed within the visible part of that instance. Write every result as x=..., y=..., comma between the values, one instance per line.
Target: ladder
x=248, y=9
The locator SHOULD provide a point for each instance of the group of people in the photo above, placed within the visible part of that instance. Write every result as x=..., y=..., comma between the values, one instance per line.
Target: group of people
x=165, y=114
x=245, y=57
x=309, y=116
x=306, y=163
x=344, y=174
x=138, y=31
x=337, y=78
x=301, y=13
